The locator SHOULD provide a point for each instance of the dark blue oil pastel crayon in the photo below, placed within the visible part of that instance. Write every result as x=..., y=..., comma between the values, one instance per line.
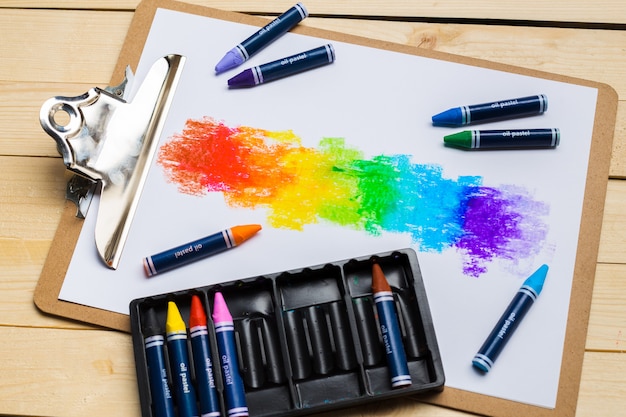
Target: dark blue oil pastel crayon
x=266, y=35
x=162, y=403
x=201, y=352
x=235, y=394
x=284, y=67
x=489, y=112
x=390, y=329
x=176, y=333
x=510, y=320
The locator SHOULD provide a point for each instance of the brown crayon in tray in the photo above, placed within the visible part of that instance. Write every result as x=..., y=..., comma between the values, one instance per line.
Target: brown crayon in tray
x=308, y=340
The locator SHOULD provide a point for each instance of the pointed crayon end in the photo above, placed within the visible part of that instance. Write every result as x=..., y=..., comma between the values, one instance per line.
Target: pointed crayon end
x=231, y=60
x=174, y=322
x=197, y=316
x=537, y=279
x=451, y=117
x=245, y=232
x=461, y=139
x=379, y=281
x=220, y=309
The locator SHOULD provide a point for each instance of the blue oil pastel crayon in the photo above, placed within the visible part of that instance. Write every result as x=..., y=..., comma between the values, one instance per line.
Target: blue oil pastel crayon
x=284, y=67
x=489, y=112
x=201, y=351
x=162, y=402
x=510, y=320
x=235, y=394
x=176, y=333
x=199, y=249
x=266, y=35
x=390, y=329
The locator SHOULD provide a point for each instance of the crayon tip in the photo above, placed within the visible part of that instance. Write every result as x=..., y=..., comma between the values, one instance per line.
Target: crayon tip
x=232, y=59
x=461, y=139
x=244, y=79
x=244, y=232
x=174, y=322
x=197, y=316
x=220, y=309
x=451, y=117
x=379, y=281
x=536, y=280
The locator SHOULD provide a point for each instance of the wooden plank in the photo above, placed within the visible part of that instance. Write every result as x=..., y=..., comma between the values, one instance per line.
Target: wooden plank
x=613, y=240
x=91, y=372
x=607, y=319
x=60, y=45
x=604, y=11
x=31, y=54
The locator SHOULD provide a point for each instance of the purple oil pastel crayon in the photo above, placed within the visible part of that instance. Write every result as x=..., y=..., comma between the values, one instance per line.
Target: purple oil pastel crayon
x=284, y=67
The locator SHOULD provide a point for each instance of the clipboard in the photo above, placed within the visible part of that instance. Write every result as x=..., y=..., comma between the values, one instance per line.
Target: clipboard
x=60, y=255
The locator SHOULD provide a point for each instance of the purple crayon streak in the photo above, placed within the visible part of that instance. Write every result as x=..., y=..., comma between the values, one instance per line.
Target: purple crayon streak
x=284, y=67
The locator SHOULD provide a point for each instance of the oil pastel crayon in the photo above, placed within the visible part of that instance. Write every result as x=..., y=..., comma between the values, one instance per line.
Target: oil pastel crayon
x=199, y=249
x=176, y=333
x=390, y=329
x=263, y=37
x=510, y=320
x=505, y=139
x=236, y=404
x=203, y=364
x=489, y=112
x=162, y=403
x=284, y=67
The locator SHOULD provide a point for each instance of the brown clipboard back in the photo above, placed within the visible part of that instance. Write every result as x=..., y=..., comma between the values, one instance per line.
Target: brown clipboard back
x=66, y=237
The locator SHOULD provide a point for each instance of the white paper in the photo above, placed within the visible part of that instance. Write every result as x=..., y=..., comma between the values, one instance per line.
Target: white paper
x=381, y=103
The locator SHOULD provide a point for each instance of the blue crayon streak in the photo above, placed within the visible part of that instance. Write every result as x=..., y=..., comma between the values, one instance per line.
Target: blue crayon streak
x=487, y=112
x=162, y=403
x=284, y=67
x=233, y=384
x=266, y=35
x=513, y=315
x=390, y=330
x=179, y=362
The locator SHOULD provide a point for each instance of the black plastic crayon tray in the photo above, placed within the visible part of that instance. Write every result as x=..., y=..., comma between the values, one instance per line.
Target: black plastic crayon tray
x=308, y=339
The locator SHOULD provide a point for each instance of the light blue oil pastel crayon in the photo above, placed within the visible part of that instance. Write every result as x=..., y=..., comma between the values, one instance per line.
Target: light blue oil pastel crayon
x=390, y=329
x=513, y=315
x=162, y=402
x=176, y=333
x=266, y=35
x=492, y=111
x=201, y=352
x=235, y=394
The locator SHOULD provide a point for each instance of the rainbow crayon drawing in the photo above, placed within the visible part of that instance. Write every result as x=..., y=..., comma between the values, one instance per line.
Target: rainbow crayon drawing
x=337, y=184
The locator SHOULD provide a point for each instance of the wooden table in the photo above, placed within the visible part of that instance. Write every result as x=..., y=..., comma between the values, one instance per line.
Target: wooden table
x=55, y=367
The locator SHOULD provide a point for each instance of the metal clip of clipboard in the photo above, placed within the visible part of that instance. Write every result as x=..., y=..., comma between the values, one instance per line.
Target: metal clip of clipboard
x=109, y=144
